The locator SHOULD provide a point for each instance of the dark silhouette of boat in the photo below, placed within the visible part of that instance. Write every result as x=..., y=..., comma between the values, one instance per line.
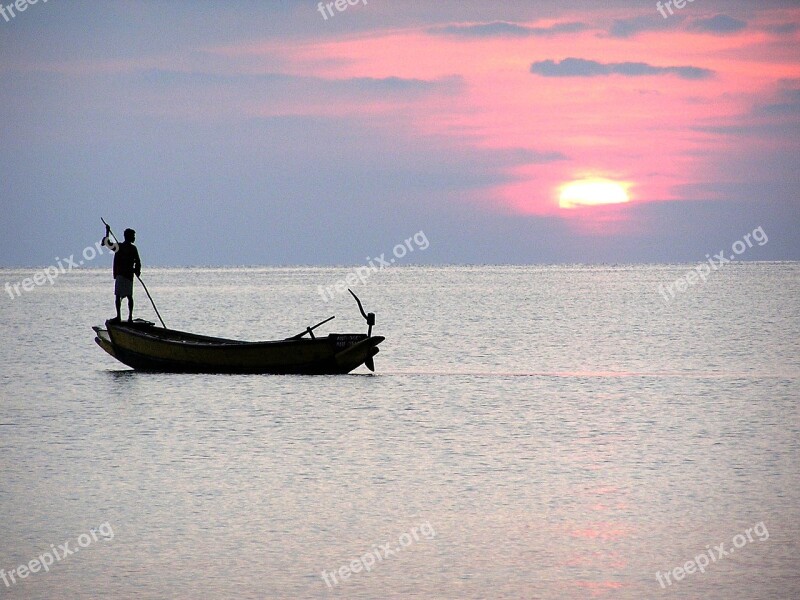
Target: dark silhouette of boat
x=145, y=347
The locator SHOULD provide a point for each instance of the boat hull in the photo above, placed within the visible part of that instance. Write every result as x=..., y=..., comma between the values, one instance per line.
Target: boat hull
x=144, y=347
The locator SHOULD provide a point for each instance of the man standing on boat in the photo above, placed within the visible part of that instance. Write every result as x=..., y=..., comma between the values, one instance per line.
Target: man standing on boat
x=126, y=264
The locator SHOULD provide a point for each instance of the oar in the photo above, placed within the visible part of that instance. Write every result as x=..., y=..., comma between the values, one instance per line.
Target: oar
x=146, y=291
x=151, y=301
x=310, y=330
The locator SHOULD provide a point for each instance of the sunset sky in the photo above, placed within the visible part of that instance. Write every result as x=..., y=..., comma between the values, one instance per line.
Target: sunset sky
x=244, y=133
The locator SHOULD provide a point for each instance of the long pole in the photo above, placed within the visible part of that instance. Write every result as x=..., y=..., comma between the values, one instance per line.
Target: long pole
x=151, y=301
x=146, y=291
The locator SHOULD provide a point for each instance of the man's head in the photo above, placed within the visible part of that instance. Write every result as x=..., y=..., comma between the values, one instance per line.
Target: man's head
x=129, y=235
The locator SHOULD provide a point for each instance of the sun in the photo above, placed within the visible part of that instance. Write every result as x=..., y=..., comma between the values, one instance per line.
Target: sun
x=592, y=192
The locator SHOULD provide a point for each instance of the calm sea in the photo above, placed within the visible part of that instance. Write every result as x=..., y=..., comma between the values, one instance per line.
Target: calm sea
x=530, y=432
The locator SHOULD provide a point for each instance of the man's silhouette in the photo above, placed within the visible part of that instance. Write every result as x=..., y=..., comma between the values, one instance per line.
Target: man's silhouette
x=126, y=264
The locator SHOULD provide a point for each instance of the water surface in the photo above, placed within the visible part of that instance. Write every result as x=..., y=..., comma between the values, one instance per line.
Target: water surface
x=535, y=432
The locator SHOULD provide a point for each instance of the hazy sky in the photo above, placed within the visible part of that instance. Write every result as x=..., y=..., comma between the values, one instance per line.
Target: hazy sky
x=257, y=133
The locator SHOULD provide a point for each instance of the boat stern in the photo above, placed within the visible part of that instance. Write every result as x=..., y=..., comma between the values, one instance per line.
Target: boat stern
x=103, y=340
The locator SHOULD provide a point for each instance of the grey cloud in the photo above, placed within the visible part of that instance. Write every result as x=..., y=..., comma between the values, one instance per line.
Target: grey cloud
x=401, y=85
x=507, y=29
x=275, y=83
x=719, y=24
x=782, y=28
x=580, y=67
x=625, y=28
x=788, y=103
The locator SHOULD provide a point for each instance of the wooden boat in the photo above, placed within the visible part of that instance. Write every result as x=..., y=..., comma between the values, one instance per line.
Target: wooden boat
x=145, y=347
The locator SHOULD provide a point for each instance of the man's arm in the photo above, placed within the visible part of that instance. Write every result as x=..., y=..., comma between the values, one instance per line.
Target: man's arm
x=107, y=242
x=137, y=265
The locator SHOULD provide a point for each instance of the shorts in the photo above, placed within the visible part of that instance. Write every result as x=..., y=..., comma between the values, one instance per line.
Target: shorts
x=123, y=287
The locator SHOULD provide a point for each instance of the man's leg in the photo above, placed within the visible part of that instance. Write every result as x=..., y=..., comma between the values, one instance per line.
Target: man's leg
x=130, y=307
x=117, y=303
